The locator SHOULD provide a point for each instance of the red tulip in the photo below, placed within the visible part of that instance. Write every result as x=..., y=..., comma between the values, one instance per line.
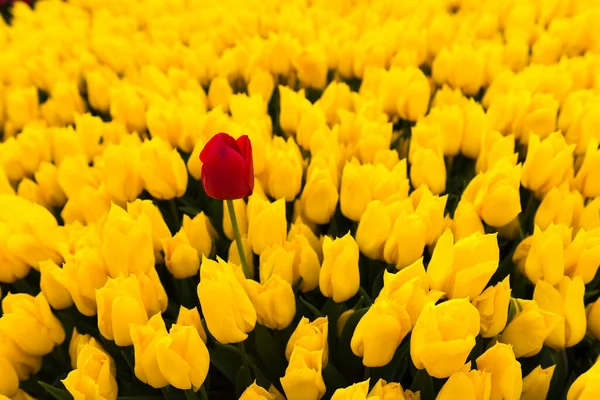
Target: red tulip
x=227, y=168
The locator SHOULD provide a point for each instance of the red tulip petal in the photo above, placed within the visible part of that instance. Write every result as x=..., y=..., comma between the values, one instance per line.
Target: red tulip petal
x=220, y=140
x=223, y=174
x=246, y=149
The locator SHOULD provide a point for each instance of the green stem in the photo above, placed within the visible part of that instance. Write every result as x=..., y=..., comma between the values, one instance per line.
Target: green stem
x=175, y=213
x=189, y=394
x=203, y=394
x=245, y=362
x=238, y=238
x=312, y=308
x=364, y=294
x=165, y=392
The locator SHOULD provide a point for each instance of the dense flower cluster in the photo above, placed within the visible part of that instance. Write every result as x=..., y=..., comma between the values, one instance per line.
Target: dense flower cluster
x=416, y=187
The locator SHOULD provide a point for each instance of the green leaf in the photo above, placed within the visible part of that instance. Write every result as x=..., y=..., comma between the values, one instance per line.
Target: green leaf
x=241, y=381
x=424, y=384
x=227, y=360
x=58, y=394
x=268, y=352
x=333, y=380
x=349, y=364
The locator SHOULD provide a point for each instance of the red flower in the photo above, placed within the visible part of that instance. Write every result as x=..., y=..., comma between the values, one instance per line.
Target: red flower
x=227, y=168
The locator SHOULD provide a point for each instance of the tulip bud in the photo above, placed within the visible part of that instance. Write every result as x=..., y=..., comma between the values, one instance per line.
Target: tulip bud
x=529, y=328
x=379, y=333
x=355, y=391
x=545, y=259
x=10, y=380
x=128, y=107
x=375, y=227
x=461, y=66
x=303, y=379
x=589, y=219
x=431, y=209
x=586, y=385
x=593, y=318
x=126, y=243
x=145, y=340
x=466, y=221
x=406, y=241
x=191, y=317
x=355, y=192
x=163, y=170
x=495, y=147
x=559, y=206
x=55, y=292
x=499, y=360
x=255, y=392
x=78, y=343
x=565, y=300
x=261, y=84
x=319, y=197
x=290, y=106
x=181, y=258
x=122, y=172
x=19, y=362
x=428, y=168
x=340, y=258
x=219, y=92
x=273, y=300
x=221, y=295
x=311, y=336
x=549, y=163
x=24, y=314
x=413, y=99
x=119, y=305
x=94, y=375
x=158, y=228
x=587, y=177
x=465, y=268
x=98, y=84
x=283, y=177
x=22, y=106
x=492, y=305
x=266, y=223
x=537, y=383
x=445, y=350
x=311, y=120
x=49, y=189
x=470, y=383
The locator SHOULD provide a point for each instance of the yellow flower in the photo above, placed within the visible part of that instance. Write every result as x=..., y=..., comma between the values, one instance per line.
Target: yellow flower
x=431, y=208
x=181, y=258
x=145, y=340
x=98, y=83
x=565, y=300
x=273, y=300
x=339, y=278
x=119, y=305
x=379, y=333
x=311, y=336
x=283, y=176
x=357, y=391
x=200, y=233
x=537, y=383
x=505, y=370
x=560, y=206
x=50, y=191
x=588, y=178
x=261, y=83
x=266, y=223
x=495, y=193
x=163, y=170
x=55, y=292
x=24, y=314
x=492, y=305
x=320, y=196
x=303, y=379
x=587, y=385
x=226, y=307
x=239, y=206
x=94, y=376
x=461, y=66
x=291, y=108
x=412, y=100
x=593, y=318
x=375, y=226
x=13, y=360
x=407, y=239
x=191, y=317
x=530, y=327
x=466, y=221
x=78, y=343
x=128, y=107
x=549, y=163
x=122, y=172
x=219, y=93
x=545, y=259
x=589, y=219
x=428, y=168
x=126, y=243
x=255, y=392
x=495, y=147
x=464, y=268
x=387, y=391
x=355, y=192
x=311, y=66
x=467, y=383
x=140, y=209
x=22, y=106
x=443, y=337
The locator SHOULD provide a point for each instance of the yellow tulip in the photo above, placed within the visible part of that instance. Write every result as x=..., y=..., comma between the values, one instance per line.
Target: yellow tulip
x=55, y=292
x=466, y=221
x=180, y=257
x=303, y=379
x=255, y=392
x=467, y=384
x=492, y=305
x=339, y=278
x=559, y=206
x=582, y=255
x=311, y=336
x=158, y=228
x=77, y=344
x=545, y=258
x=274, y=302
x=94, y=376
x=537, y=383
x=495, y=147
x=200, y=232
x=549, y=163
x=266, y=223
x=163, y=170
x=586, y=386
x=357, y=391
x=320, y=196
x=505, y=370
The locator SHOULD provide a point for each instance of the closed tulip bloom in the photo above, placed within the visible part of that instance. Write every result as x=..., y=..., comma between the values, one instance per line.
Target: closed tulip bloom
x=94, y=376
x=311, y=66
x=587, y=177
x=163, y=170
x=375, y=227
x=549, y=163
x=311, y=336
x=379, y=333
x=50, y=191
x=255, y=392
x=495, y=194
x=545, y=259
x=560, y=206
x=22, y=106
x=466, y=221
x=293, y=261
x=291, y=107
x=339, y=278
x=119, y=305
x=128, y=107
x=355, y=192
x=587, y=385
x=495, y=147
x=464, y=268
x=407, y=240
x=582, y=255
x=241, y=215
x=16, y=361
x=443, y=350
x=191, y=317
x=9, y=385
x=227, y=167
x=122, y=172
x=428, y=168
x=274, y=301
x=593, y=318
x=200, y=233
x=158, y=228
x=413, y=100
x=233, y=255
x=461, y=66
x=145, y=338
x=55, y=292
x=431, y=209
x=492, y=305
x=387, y=391
x=78, y=343
x=537, y=383
x=565, y=300
x=357, y=391
x=266, y=223
x=528, y=330
x=320, y=196
x=303, y=379
x=127, y=245
x=467, y=384
x=500, y=361
x=261, y=83
x=226, y=307
x=283, y=177
x=219, y=92
x=589, y=219
x=180, y=257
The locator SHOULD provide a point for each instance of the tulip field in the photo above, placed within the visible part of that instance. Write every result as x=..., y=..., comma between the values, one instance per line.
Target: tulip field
x=300, y=199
